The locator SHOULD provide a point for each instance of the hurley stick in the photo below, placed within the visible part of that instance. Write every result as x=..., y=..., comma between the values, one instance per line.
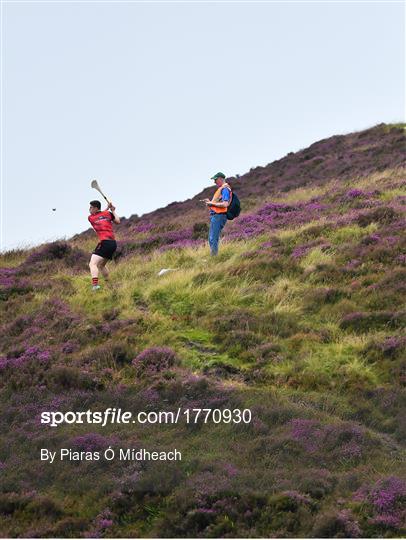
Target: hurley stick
x=95, y=185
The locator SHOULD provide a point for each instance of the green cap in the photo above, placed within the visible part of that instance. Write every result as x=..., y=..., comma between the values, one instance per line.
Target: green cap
x=218, y=175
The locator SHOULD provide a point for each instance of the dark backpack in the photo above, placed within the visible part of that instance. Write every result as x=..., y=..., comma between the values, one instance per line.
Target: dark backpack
x=234, y=209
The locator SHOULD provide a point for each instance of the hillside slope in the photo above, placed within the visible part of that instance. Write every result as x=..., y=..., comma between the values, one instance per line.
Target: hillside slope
x=300, y=319
x=340, y=158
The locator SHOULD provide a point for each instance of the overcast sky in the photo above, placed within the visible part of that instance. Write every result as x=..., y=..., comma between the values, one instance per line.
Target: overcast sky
x=154, y=98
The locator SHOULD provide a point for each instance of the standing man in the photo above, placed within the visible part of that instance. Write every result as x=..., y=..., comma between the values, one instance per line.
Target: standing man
x=218, y=210
x=101, y=222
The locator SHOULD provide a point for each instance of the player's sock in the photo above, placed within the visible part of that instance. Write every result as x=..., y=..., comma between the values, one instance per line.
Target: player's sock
x=95, y=281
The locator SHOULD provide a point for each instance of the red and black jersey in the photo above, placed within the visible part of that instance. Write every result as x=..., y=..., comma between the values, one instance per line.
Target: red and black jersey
x=102, y=224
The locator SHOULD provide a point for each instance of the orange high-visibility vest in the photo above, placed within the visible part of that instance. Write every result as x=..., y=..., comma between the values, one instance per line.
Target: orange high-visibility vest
x=217, y=198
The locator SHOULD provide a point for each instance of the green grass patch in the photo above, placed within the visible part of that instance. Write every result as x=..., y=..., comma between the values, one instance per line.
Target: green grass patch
x=350, y=233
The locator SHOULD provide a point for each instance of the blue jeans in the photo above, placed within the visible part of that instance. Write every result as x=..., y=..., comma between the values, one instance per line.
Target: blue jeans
x=217, y=223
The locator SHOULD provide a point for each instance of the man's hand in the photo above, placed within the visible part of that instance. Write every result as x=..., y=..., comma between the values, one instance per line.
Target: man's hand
x=111, y=207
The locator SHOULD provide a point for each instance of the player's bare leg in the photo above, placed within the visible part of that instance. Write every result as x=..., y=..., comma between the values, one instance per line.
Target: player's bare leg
x=94, y=266
x=103, y=269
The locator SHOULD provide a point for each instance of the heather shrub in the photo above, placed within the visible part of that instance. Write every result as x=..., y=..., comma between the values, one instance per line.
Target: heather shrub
x=68, y=527
x=126, y=248
x=383, y=294
x=315, y=297
x=325, y=273
x=314, y=231
x=110, y=327
x=191, y=391
x=108, y=355
x=389, y=401
x=255, y=374
x=382, y=214
x=111, y=314
x=302, y=341
x=367, y=321
x=62, y=286
x=72, y=257
x=101, y=524
x=200, y=230
x=381, y=254
x=52, y=319
x=384, y=503
x=236, y=341
x=317, y=482
x=370, y=239
x=282, y=324
x=70, y=347
x=378, y=300
x=229, y=513
x=236, y=319
x=145, y=246
x=266, y=269
x=312, y=251
x=57, y=316
x=201, y=388
x=154, y=360
x=220, y=369
x=344, y=441
x=376, y=249
x=11, y=284
x=391, y=347
x=336, y=311
x=19, y=380
x=170, y=388
x=393, y=280
x=159, y=479
x=55, y=250
x=30, y=355
x=336, y=524
x=13, y=502
x=143, y=489
x=19, y=325
x=90, y=442
x=276, y=414
x=44, y=507
x=61, y=378
x=263, y=353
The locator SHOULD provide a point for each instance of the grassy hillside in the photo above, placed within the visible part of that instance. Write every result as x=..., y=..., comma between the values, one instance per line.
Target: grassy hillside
x=300, y=319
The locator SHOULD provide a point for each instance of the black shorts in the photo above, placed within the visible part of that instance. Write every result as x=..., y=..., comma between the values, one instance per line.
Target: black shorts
x=105, y=249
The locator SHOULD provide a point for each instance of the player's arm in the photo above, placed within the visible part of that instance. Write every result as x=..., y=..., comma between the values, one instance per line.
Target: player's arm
x=112, y=209
x=226, y=200
x=218, y=204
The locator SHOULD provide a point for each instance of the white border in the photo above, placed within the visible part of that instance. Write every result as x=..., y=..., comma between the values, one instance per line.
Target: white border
x=203, y=1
